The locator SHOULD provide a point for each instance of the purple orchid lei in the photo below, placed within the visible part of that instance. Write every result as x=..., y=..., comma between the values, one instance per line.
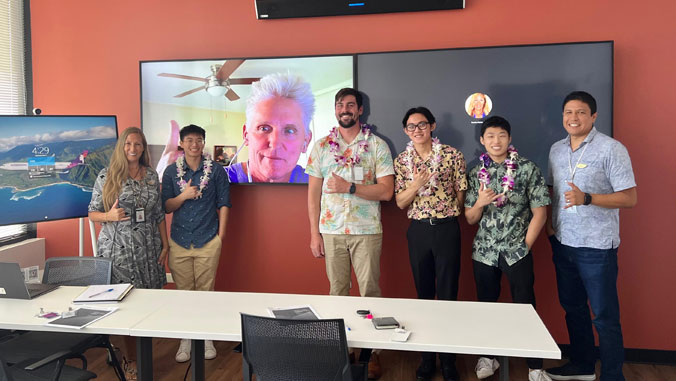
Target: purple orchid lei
x=507, y=182
x=204, y=179
x=431, y=185
x=355, y=158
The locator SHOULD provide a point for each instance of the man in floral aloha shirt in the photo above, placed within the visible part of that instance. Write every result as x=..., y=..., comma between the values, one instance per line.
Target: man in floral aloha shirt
x=508, y=197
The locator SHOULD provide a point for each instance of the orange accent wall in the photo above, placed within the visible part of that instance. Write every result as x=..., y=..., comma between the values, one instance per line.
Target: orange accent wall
x=85, y=60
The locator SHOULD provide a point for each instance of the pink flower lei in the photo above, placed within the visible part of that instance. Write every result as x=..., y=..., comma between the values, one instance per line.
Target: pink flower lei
x=507, y=180
x=204, y=179
x=355, y=158
x=431, y=185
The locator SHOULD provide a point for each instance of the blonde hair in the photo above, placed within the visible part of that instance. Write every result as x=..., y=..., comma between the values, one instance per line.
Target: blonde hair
x=470, y=107
x=118, y=170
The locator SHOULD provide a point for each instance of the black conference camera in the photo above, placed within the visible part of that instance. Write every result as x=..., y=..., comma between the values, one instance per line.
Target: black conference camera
x=37, y=111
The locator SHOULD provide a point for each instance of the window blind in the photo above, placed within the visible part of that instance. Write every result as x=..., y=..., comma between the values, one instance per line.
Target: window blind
x=13, y=93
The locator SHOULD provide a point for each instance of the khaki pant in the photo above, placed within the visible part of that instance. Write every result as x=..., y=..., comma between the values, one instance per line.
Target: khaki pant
x=195, y=268
x=360, y=250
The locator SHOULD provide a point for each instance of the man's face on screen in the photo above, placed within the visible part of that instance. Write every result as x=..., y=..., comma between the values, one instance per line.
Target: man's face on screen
x=347, y=111
x=276, y=137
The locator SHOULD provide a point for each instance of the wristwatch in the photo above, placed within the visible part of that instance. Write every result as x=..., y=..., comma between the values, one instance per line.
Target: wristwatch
x=353, y=188
x=587, y=199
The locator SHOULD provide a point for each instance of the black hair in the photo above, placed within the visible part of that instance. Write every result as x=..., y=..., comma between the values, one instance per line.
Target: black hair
x=581, y=96
x=342, y=93
x=192, y=129
x=419, y=110
x=498, y=122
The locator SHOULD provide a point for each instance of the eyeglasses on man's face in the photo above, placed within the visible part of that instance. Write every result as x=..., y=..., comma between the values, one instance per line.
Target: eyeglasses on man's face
x=422, y=126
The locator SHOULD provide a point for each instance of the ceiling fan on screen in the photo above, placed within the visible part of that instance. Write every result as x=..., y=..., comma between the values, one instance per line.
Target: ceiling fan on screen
x=218, y=83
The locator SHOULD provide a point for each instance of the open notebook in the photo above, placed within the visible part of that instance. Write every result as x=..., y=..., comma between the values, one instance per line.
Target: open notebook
x=104, y=293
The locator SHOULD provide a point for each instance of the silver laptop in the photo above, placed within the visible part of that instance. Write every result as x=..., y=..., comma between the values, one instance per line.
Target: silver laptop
x=12, y=285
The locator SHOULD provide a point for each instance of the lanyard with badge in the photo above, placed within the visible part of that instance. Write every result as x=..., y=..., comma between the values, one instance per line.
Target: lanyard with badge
x=139, y=214
x=353, y=163
x=358, y=173
x=571, y=171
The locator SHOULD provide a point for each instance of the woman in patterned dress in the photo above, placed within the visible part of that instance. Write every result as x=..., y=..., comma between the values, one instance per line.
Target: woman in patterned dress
x=127, y=202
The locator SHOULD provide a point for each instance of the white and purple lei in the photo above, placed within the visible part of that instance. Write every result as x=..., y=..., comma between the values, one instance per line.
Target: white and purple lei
x=204, y=179
x=507, y=180
x=431, y=185
x=355, y=158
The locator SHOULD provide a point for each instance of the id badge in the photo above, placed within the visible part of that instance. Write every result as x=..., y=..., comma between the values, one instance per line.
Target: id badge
x=572, y=209
x=358, y=173
x=139, y=215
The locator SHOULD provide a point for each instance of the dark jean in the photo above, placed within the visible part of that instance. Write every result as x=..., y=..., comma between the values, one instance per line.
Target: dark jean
x=521, y=283
x=590, y=275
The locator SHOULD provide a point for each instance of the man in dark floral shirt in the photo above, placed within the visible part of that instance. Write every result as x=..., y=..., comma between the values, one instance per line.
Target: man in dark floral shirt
x=507, y=196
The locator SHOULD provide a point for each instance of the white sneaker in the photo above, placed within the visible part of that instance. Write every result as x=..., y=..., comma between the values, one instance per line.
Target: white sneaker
x=538, y=375
x=209, y=350
x=183, y=353
x=485, y=367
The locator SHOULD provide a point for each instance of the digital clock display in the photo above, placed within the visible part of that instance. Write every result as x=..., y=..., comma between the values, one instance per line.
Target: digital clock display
x=40, y=151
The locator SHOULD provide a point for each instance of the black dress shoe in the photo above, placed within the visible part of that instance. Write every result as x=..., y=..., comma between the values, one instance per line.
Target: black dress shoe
x=425, y=371
x=450, y=373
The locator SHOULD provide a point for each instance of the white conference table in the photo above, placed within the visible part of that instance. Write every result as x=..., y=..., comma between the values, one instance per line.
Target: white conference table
x=18, y=314
x=21, y=314
x=499, y=329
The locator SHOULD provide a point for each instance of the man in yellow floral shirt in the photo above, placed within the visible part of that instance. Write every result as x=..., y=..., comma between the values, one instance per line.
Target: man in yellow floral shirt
x=431, y=184
x=350, y=173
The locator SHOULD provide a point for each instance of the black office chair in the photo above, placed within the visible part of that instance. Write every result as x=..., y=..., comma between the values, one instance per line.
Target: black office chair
x=52, y=372
x=49, y=347
x=78, y=271
x=296, y=350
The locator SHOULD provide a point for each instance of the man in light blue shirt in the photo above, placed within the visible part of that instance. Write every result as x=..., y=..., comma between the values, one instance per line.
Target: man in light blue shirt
x=591, y=177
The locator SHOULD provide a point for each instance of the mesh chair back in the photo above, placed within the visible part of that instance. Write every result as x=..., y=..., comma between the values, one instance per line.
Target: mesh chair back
x=281, y=349
x=78, y=271
x=4, y=371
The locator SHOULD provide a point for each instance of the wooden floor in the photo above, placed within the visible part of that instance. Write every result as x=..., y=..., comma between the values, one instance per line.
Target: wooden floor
x=396, y=365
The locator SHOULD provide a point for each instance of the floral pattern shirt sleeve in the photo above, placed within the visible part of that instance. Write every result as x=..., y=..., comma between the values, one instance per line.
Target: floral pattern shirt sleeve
x=344, y=213
x=451, y=179
x=502, y=230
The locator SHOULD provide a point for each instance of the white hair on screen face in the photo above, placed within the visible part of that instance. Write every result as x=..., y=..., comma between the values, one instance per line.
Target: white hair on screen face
x=289, y=86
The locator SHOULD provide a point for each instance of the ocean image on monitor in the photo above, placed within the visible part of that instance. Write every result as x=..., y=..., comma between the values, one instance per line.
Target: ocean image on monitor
x=48, y=164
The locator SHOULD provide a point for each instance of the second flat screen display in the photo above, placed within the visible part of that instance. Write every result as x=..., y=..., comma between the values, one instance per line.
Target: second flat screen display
x=462, y=87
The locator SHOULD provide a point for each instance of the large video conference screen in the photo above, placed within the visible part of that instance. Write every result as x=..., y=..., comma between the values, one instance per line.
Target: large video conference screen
x=525, y=84
x=213, y=94
x=48, y=164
